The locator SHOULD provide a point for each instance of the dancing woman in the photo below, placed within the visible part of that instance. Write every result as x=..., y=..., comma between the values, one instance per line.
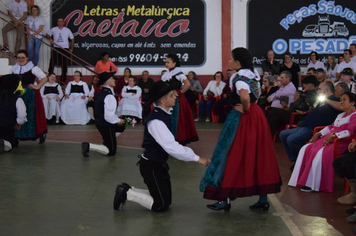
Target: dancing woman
x=183, y=127
x=244, y=162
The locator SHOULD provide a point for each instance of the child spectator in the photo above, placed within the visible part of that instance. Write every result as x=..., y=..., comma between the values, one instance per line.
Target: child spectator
x=130, y=104
x=51, y=93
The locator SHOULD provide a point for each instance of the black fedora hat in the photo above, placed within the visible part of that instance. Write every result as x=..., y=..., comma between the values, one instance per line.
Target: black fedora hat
x=103, y=77
x=311, y=79
x=158, y=90
x=9, y=82
x=347, y=71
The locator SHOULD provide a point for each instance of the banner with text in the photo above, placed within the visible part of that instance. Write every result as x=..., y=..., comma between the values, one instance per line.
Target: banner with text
x=299, y=27
x=136, y=32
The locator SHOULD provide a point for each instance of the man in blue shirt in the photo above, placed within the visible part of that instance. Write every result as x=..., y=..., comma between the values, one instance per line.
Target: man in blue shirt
x=323, y=114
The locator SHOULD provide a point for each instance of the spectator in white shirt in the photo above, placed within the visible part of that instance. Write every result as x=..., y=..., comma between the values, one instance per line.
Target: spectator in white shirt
x=17, y=11
x=34, y=26
x=353, y=51
x=60, y=34
x=212, y=90
x=314, y=61
x=347, y=63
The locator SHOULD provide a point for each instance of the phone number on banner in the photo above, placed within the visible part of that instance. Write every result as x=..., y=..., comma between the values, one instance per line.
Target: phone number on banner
x=148, y=57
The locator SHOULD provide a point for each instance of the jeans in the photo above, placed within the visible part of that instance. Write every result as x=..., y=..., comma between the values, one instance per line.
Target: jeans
x=294, y=139
x=209, y=105
x=37, y=45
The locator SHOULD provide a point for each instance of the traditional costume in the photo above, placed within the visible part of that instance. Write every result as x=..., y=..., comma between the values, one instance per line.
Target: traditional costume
x=158, y=143
x=12, y=111
x=74, y=109
x=49, y=93
x=107, y=122
x=244, y=162
x=130, y=104
x=36, y=126
x=183, y=127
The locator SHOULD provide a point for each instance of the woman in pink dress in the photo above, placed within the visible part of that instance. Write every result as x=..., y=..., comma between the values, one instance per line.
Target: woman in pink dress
x=313, y=169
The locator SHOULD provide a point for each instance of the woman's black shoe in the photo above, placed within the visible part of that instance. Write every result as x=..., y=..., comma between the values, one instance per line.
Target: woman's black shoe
x=42, y=139
x=220, y=206
x=120, y=195
x=260, y=206
x=351, y=211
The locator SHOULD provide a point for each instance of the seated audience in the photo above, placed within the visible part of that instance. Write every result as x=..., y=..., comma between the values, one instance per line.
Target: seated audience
x=347, y=63
x=331, y=68
x=323, y=114
x=314, y=61
x=270, y=88
x=105, y=65
x=122, y=81
x=345, y=167
x=340, y=59
x=74, y=105
x=51, y=93
x=192, y=94
x=212, y=90
x=313, y=169
x=321, y=76
x=225, y=99
x=346, y=77
x=270, y=64
x=284, y=95
x=302, y=105
x=293, y=68
x=130, y=104
x=312, y=71
x=145, y=83
x=94, y=90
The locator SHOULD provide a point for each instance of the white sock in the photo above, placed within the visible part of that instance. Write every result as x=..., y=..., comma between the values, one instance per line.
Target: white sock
x=140, y=197
x=98, y=148
x=117, y=134
x=91, y=112
x=7, y=146
x=141, y=190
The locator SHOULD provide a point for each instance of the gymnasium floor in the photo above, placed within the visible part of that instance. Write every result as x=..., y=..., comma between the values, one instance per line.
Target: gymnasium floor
x=51, y=189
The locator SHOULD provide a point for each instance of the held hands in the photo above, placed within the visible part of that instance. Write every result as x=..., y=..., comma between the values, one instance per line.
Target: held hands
x=17, y=126
x=90, y=99
x=315, y=137
x=328, y=139
x=352, y=146
x=32, y=86
x=57, y=99
x=204, y=161
x=66, y=96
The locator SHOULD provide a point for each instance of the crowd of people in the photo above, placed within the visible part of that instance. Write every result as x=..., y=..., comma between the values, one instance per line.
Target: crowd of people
x=252, y=110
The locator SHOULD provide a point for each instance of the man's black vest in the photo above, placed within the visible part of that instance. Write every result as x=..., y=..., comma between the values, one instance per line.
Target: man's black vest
x=99, y=107
x=153, y=151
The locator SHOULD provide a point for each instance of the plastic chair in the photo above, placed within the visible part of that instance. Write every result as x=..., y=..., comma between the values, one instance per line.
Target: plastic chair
x=336, y=154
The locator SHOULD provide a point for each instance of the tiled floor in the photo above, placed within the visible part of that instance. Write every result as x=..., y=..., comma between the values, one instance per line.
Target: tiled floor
x=51, y=189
